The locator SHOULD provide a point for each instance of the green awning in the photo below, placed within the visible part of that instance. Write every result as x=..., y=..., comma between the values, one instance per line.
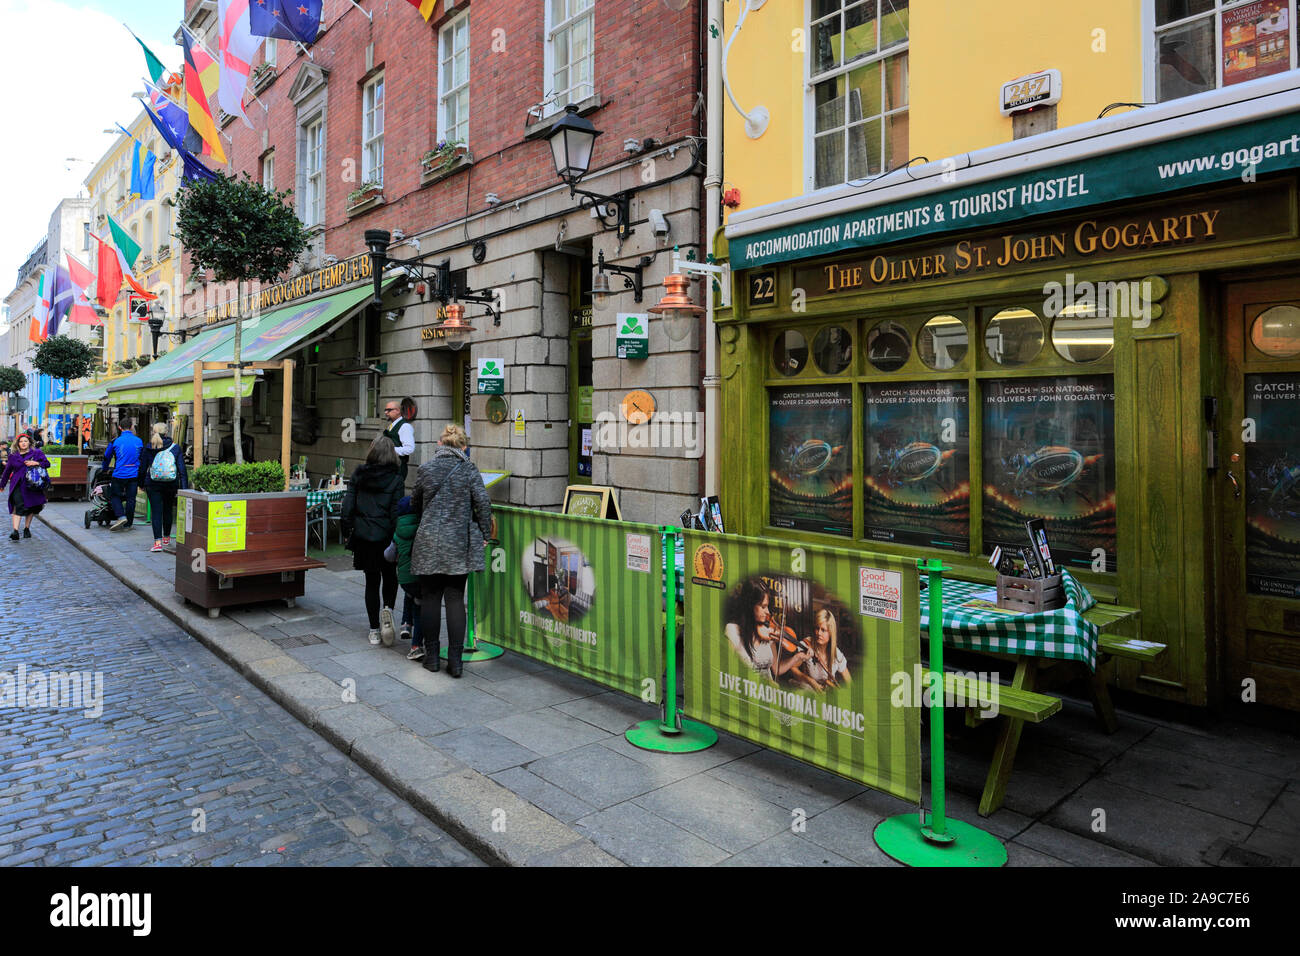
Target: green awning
x=79, y=402
x=263, y=339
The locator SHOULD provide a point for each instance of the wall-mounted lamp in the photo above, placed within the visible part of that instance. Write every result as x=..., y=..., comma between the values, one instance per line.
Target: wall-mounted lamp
x=456, y=329
x=633, y=278
x=676, y=308
x=436, y=277
x=757, y=119
x=572, y=140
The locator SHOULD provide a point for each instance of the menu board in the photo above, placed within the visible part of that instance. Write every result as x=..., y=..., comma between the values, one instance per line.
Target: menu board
x=1273, y=485
x=1256, y=40
x=1049, y=452
x=916, y=489
x=810, y=458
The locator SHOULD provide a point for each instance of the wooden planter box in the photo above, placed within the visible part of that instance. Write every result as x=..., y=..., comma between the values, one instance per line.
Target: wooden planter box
x=69, y=484
x=251, y=548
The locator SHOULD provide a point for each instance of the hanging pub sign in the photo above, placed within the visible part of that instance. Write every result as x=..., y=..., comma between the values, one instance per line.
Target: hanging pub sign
x=1263, y=212
x=633, y=335
x=491, y=376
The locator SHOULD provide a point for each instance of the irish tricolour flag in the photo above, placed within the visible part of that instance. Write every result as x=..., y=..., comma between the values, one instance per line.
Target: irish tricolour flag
x=118, y=253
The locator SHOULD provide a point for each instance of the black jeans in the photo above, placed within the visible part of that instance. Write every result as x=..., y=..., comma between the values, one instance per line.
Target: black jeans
x=433, y=588
x=121, y=494
x=162, y=508
x=386, y=573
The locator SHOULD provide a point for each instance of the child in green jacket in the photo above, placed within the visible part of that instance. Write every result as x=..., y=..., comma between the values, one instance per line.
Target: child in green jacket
x=407, y=524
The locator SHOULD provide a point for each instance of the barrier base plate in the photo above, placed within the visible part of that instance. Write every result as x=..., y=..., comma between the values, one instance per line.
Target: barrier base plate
x=901, y=837
x=483, y=651
x=651, y=735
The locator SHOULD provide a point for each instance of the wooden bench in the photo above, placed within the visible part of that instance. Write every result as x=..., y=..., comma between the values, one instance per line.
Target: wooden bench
x=238, y=564
x=1009, y=701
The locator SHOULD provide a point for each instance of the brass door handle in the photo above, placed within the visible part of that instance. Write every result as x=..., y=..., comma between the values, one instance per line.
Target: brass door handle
x=1236, y=486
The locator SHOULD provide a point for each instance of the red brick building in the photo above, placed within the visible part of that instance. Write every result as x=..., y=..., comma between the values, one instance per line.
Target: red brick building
x=366, y=104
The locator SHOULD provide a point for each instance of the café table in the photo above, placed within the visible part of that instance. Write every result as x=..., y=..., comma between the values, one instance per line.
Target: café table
x=1079, y=637
x=323, y=504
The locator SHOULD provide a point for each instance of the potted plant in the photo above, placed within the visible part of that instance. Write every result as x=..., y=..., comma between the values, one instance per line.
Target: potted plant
x=443, y=158
x=241, y=537
x=365, y=194
x=262, y=75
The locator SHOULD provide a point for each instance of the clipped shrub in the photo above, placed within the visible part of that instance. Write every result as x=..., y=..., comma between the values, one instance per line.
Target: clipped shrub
x=61, y=450
x=247, y=479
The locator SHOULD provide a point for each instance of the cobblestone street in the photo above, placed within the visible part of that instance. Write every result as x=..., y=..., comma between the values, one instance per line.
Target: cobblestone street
x=187, y=764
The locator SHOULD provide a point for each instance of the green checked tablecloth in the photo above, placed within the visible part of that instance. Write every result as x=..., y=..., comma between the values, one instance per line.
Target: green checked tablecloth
x=1062, y=634
x=318, y=497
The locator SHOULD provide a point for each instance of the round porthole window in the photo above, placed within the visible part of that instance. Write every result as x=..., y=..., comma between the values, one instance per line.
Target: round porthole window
x=943, y=342
x=888, y=346
x=790, y=352
x=832, y=350
x=1083, y=337
x=1276, y=331
x=1013, y=337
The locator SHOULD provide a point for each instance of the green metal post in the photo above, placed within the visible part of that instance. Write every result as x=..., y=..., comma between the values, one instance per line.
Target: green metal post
x=469, y=614
x=673, y=734
x=938, y=820
x=671, y=724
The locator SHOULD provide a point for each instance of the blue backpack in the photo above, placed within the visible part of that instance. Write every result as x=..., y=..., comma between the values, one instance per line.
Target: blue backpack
x=163, y=466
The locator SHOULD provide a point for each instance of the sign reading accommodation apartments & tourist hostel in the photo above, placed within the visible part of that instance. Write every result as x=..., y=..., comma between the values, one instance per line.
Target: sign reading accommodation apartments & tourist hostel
x=1216, y=219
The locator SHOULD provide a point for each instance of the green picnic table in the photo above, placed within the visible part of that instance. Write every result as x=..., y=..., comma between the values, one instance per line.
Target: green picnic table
x=1078, y=640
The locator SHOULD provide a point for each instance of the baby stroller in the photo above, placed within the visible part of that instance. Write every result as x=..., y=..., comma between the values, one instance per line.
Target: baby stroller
x=101, y=509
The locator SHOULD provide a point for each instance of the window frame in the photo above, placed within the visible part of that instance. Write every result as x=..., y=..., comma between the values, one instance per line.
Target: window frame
x=445, y=65
x=812, y=80
x=1150, y=32
x=550, y=32
x=268, y=171
x=368, y=385
x=372, y=143
x=312, y=176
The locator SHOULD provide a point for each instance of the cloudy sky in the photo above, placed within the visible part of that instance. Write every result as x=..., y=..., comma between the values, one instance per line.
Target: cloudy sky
x=69, y=70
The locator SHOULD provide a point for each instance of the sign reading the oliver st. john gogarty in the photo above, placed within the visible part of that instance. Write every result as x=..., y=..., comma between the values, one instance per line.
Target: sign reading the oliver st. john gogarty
x=799, y=649
x=491, y=376
x=583, y=594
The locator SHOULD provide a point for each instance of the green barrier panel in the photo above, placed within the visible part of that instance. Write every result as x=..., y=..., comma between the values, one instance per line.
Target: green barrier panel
x=581, y=594
x=753, y=606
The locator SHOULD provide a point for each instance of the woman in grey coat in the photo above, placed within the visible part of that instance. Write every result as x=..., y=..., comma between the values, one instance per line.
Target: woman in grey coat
x=455, y=519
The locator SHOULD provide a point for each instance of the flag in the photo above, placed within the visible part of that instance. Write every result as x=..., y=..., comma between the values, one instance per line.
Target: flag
x=146, y=176
x=286, y=19
x=82, y=280
x=236, y=48
x=193, y=170
x=62, y=298
x=152, y=63
x=174, y=116
x=209, y=73
x=200, y=115
x=34, y=330
x=109, y=284
x=135, y=170
x=41, y=317
x=424, y=6
x=128, y=251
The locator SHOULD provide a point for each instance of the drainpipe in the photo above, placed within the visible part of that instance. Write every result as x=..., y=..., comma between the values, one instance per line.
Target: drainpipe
x=712, y=222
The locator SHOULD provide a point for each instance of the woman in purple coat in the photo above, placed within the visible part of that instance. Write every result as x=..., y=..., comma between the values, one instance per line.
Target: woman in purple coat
x=24, y=500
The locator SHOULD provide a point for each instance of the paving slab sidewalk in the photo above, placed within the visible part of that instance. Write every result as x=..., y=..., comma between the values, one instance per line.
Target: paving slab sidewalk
x=527, y=765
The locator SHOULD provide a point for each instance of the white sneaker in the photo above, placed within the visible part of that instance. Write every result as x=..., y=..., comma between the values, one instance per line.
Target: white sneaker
x=387, y=632
x=117, y=525
x=373, y=637
x=416, y=654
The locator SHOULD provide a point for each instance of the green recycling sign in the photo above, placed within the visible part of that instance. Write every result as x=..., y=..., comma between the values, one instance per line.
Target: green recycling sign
x=633, y=335
x=491, y=376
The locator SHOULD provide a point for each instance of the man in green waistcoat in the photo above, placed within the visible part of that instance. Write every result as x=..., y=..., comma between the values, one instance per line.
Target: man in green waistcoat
x=400, y=431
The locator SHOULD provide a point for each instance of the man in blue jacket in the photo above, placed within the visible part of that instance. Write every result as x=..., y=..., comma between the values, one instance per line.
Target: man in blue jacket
x=124, y=452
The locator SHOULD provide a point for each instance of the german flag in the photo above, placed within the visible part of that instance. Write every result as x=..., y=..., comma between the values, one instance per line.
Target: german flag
x=196, y=92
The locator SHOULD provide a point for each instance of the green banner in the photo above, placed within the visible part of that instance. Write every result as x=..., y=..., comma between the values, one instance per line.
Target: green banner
x=1241, y=153
x=582, y=594
x=800, y=648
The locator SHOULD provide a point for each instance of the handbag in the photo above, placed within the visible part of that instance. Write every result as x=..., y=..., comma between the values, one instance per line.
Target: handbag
x=37, y=477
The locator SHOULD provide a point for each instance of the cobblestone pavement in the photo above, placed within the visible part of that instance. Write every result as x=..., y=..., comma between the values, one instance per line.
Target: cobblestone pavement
x=187, y=764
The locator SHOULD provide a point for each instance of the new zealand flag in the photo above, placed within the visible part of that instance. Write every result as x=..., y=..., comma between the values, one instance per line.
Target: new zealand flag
x=285, y=19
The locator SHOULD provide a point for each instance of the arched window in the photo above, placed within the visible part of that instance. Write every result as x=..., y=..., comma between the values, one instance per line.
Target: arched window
x=164, y=226
x=121, y=185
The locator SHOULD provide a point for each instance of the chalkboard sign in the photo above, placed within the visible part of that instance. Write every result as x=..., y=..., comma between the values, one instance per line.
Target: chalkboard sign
x=592, y=501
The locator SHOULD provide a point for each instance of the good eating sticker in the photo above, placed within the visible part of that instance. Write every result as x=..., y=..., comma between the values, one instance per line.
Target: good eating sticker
x=881, y=593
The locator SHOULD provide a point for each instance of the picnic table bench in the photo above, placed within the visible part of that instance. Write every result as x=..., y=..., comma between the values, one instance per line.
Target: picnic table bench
x=1037, y=658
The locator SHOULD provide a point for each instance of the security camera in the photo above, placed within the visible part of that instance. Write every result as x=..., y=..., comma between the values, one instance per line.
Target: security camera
x=659, y=222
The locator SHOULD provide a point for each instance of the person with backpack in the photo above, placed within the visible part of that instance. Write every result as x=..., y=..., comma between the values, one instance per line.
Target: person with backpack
x=455, y=519
x=162, y=470
x=124, y=453
x=369, y=520
x=28, y=479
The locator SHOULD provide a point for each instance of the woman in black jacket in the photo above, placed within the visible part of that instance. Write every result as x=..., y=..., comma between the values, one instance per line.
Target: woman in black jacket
x=369, y=519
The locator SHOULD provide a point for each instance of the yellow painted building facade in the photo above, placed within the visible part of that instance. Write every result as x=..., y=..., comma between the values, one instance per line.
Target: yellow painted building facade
x=957, y=56
x=151, y=223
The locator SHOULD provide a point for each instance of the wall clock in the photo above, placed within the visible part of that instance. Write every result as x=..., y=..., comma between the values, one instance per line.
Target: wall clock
x=497, y=412
x=637, y=407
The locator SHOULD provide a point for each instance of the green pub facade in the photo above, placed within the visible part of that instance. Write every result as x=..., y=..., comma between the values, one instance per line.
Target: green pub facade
x=1099, y=327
